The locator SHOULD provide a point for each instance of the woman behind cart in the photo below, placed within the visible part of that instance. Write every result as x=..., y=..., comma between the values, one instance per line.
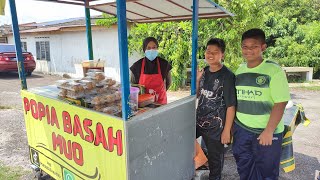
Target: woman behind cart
x=152, y=71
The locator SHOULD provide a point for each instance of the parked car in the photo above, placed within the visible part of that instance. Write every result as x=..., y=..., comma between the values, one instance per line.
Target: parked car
x=8, y=59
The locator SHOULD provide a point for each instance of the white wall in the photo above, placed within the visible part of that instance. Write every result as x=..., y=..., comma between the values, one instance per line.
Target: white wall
x=69, y=49
x=31, y=47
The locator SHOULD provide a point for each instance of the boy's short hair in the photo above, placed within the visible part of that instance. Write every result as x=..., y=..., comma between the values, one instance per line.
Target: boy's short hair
x=254, y=33
x=217, y=42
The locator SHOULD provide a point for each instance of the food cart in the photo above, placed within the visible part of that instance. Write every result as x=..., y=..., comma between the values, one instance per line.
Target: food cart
x=72, y=142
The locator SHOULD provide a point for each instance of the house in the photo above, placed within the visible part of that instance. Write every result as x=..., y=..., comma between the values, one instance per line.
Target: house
x=3, y=34
x=60, y=46
x=6, y=29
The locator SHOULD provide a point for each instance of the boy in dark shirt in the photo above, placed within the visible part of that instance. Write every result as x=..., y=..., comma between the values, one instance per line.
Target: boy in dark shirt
x=216, y=105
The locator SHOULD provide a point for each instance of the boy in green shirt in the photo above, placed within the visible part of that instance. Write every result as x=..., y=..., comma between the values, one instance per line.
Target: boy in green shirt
x=262, y=94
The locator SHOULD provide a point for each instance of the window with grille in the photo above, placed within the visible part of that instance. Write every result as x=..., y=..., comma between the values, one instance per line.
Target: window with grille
x=3, y=40
x=43, y=50
x=24, y=46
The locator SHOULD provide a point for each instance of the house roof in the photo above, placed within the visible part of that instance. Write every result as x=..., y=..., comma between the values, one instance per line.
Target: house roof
x=49, y=26
x=68, y=22
x=58, y=28
x=59, y=22
x=44, y=29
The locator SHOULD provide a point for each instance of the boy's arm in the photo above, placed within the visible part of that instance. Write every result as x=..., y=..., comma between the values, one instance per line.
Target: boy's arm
x=266, y=136
x=199, y=75
x=226, y=133
x=198, y=84
x=279, y=89
x=230, y=97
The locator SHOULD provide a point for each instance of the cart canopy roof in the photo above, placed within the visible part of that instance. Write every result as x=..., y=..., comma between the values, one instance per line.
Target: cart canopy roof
x=147, y=11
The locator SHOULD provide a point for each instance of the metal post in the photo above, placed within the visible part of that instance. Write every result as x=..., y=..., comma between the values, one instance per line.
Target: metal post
x=88, y=30
x=195, y=12
x=16, y=35
x=123, y=54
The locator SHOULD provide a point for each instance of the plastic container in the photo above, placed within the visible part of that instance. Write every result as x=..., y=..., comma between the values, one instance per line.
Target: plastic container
x=90, y=92
x=98, y=76
x=87, y=84
x=62, y=83
x=112, y=110
x=106, y=82
x=75, y=95
x=141, y=87
x=134, y=98
x=63, y=93
x=97, y=100
x=145, y=100
x=94, y=70
x=72, y=86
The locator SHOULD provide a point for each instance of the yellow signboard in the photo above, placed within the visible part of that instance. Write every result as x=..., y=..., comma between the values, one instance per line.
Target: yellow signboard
x=70, y=142
x=2, y=6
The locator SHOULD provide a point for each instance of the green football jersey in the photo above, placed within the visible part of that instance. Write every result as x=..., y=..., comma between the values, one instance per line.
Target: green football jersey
x=258, y=89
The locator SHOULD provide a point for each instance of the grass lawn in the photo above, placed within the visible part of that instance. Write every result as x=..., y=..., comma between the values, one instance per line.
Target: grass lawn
x=310, y=88
x=10, y=173
x=5, y=107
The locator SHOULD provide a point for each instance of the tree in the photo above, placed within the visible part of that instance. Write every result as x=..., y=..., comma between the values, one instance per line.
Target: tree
x=107, y=21
x=175, y=37
x=291, y=26
x=301, y=49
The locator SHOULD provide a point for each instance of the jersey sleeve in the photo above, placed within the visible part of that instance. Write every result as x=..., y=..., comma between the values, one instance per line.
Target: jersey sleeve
x=279, y=87
x=229, y=90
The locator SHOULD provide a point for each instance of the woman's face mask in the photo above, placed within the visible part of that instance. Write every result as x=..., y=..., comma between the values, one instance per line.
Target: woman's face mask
x=151, y=54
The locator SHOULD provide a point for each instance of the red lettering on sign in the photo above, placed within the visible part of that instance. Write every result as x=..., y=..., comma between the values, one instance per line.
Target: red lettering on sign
x=34, y=109
x=66, y=122
x=115, y=141
x=26, y=105
x=48, y=115
x=77, y=129
x=100, y=136
x=77, y=153
x=71, y=150
x=57, y=141
x=67, y=149
x=86, y=124
x=41, y=109
x=54, y=119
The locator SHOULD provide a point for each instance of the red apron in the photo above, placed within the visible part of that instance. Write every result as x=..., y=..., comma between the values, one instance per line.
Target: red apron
x=154, y=83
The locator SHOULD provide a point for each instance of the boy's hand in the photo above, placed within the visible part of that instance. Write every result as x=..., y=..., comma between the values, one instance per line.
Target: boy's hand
x=225, y=137
x=265, y=138
x=199, y=74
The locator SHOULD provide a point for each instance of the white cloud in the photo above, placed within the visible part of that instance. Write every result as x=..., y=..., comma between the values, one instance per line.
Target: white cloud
x=39, y=11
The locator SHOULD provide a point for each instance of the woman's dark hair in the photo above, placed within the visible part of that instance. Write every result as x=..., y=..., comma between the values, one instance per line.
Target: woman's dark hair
x=146, y=42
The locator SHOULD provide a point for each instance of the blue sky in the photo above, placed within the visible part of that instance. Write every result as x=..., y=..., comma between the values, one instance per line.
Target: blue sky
x=38, y=11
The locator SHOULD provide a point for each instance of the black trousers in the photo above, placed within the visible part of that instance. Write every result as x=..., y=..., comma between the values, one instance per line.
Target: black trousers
x=215, y=152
